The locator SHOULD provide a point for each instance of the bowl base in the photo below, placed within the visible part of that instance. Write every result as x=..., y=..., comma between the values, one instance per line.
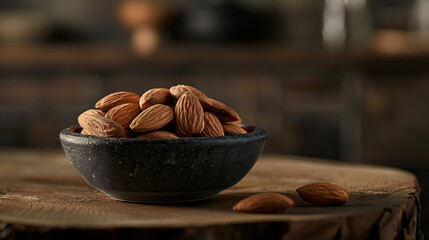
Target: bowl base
x=171, y=197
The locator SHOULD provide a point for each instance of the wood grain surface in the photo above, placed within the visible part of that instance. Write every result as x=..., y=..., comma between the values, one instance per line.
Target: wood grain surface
x=42, y=197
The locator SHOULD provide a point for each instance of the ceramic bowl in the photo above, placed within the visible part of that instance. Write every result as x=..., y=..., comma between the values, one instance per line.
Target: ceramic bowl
x=162, y=170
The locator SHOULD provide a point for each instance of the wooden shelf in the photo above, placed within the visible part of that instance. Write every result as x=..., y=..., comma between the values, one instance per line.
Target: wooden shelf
x=116, y=56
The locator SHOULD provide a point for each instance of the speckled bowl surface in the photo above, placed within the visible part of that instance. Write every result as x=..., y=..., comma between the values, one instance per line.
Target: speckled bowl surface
x=162, y=170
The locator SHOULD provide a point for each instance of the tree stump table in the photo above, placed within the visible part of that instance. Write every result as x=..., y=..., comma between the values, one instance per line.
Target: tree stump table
x=42, y=197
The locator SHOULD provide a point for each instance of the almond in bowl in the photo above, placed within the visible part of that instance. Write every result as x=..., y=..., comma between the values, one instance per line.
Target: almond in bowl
x=181, y=146
x=186, y=110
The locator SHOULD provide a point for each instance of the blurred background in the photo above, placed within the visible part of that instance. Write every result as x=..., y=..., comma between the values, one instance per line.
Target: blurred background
x=341, y=79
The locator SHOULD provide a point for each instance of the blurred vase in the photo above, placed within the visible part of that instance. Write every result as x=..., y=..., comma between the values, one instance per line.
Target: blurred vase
x=359, y=24
x=134, y=13
x=334, y=26
x=144, y=19
x=420, y=17
x=346, y=23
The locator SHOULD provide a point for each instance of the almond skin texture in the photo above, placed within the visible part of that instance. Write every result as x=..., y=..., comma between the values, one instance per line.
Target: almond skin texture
x=232, y=129
x=212, y=126
x=152, y=118
x=189, y=115
x=179, y=90
x=84, y=131
x=124, y=114
x=155, y=96
x=104, y=127
x=157, y=135
x=324, y=194
x=264, y=203
x=115, y=99
x=82, y=116
x=222, y=111
x=238, y=122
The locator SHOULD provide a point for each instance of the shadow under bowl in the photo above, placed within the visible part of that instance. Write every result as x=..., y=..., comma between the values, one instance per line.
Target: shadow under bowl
x=162, y=170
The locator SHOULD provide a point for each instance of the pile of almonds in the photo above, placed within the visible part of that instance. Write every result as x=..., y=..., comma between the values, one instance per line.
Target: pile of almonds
x=181, y=111
x=319, y=194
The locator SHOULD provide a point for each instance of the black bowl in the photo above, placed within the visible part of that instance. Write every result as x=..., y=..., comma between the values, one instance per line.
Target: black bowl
x=162, y=170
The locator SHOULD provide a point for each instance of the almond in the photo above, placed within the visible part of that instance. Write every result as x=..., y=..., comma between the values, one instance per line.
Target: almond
x=264, y=203
x=124, y=113
x=212, y=126
x=104, y=127
x=115, y=99
x=189, y=115
x=82, y=116
x=84, y=131
x=155, y=96
x=323, y=194
x=157, y=135
x=179, y=90
x=237, y=122
x=232, y=129
x=222, y=111
x=152, y=118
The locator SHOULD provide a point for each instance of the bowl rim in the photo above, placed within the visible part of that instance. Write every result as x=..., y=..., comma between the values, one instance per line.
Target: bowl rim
x=256, y=132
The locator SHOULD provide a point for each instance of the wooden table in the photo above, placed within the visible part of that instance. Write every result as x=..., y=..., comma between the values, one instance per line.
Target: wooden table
x=42, y=197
